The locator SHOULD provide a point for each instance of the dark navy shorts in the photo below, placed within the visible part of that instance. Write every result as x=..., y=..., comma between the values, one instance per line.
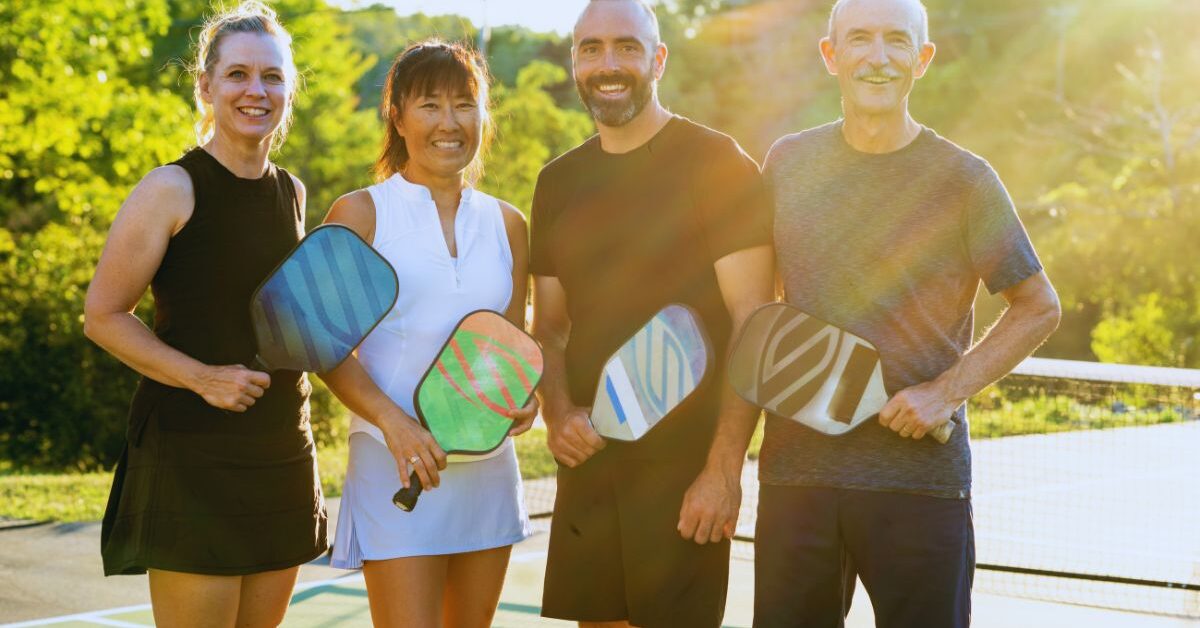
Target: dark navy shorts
x=915, y=555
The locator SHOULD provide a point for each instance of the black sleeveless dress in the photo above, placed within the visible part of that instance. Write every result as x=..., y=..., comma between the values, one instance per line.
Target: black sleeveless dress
x=199, y=490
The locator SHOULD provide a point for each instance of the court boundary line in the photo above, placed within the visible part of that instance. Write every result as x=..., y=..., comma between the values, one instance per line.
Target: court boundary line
x=92, y=616
x=101, y=617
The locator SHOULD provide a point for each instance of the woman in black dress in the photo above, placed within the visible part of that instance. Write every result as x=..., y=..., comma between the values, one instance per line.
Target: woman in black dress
x=216, y=494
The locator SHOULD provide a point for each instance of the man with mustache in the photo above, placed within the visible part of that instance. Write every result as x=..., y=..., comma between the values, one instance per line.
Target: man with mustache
x=886, y=229
x=654, y=209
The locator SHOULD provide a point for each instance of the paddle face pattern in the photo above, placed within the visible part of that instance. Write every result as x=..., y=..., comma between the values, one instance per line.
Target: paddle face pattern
x=651, y=374
x=487, y=367
x=798, y=366
x=321, y=301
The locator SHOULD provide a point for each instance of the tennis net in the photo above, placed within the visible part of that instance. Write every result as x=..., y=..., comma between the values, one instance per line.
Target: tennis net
x=1084, y=486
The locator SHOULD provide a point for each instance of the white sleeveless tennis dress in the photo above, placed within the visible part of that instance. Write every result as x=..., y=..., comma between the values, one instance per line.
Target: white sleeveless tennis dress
x=480, y=502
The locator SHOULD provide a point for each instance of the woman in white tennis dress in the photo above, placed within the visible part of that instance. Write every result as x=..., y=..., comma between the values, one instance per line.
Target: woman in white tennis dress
x=455, y=250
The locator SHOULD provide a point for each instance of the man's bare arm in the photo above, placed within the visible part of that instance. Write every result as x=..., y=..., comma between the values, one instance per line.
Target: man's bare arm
x=710, y=507
x=570, y=435
x=1032, y=315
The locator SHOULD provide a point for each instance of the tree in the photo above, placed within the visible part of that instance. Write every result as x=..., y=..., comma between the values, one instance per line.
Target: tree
x=75, y=135
x=531, y=130
x=1124, y=222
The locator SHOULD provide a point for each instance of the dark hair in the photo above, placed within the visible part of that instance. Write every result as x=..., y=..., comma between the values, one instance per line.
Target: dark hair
x=425, y=68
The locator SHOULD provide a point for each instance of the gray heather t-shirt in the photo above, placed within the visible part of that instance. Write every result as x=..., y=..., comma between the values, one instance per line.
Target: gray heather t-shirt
x=890, y=247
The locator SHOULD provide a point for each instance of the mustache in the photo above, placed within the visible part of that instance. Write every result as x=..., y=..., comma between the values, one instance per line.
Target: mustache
x=881, y=73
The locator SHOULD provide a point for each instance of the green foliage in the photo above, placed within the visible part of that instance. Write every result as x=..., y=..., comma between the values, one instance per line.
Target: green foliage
x=54, y=497
x=75, y=135
x=332, y=144
x=331, y=465
x=535, y=459
x=63, y=156
x=1119, y=223
x=1140, y=335
x=379, y=33
x=511, y=49
x=530, y=130
x=82, y=496
x=64, y=399
x=1010, y=410
x=329, y=418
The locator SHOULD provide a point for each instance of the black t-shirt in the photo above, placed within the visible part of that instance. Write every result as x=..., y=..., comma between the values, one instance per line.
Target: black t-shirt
x=628, y=233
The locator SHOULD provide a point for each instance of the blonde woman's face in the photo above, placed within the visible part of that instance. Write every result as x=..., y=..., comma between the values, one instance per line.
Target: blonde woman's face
x=250, y=87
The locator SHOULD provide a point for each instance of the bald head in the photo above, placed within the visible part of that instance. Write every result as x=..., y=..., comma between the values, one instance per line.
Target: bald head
x=918, y=16
x=641, y=12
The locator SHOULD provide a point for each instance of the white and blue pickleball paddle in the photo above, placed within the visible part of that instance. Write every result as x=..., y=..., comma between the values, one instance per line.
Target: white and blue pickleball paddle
x=321, y=301
x=652, y=373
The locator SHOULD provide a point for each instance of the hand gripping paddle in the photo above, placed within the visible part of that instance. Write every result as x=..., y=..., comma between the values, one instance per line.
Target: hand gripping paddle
x=321, y=301
x=800, y=367
x=487, y=367
x=652, y=373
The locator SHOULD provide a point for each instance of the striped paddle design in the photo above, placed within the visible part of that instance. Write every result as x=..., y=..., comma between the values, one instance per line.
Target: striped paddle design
x=651, y=374
x=798, y=366
x=487, y=367
x=321, y=301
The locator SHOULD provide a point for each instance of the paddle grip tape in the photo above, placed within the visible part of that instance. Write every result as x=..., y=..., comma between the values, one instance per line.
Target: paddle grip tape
x=406, y=498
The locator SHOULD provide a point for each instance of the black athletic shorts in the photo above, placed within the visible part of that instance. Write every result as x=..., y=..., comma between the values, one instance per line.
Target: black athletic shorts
x=616, y=553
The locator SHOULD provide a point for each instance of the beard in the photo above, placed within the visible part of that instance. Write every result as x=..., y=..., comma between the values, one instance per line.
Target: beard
x=619, y=112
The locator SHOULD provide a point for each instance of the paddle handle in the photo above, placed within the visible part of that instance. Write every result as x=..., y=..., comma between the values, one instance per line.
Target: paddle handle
x=406, y=498
x=942, y=432
x=259, y=365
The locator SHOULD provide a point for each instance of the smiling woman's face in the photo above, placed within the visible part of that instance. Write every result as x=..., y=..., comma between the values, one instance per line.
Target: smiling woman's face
x=441, y=131
x=249, y=88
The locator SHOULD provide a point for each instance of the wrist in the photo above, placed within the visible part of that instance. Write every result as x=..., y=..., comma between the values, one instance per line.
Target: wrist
x=193, y=375
x=391, y=417
x=945, y=388
x=725, y=464
x=554, y=414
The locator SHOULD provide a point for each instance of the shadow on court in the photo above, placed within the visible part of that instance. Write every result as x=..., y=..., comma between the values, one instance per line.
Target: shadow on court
x=50, y=575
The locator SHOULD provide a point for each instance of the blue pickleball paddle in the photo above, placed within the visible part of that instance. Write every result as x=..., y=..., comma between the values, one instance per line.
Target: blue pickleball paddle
x=321, y=301
x=654, y=371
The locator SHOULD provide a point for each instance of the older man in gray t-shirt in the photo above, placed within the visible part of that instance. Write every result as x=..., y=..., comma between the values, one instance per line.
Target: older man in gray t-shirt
x=891, y=247
x=886, y=230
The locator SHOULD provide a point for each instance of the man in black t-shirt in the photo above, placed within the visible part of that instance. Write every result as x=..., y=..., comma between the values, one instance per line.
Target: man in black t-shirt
x=655, y=209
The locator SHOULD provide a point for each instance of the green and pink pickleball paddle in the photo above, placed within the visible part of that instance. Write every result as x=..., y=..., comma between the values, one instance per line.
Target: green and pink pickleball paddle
x=487, y=367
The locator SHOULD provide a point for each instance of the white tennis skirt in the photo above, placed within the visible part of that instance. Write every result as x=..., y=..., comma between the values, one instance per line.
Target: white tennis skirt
x=478, y=505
